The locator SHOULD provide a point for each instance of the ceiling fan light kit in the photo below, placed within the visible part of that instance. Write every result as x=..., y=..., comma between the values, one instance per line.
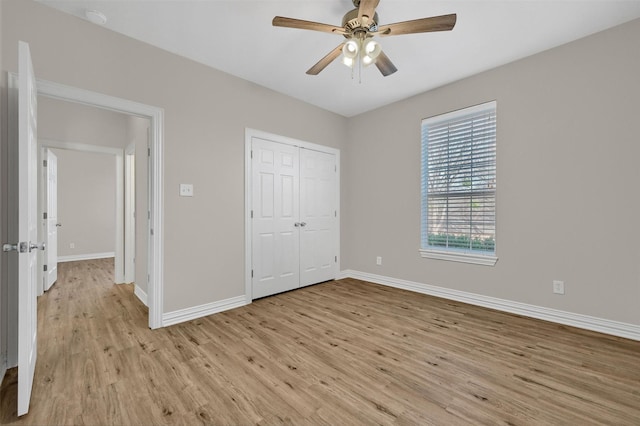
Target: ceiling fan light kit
x=359, y=26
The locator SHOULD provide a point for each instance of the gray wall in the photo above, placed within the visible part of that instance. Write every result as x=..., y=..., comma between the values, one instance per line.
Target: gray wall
x=206, y=113
x=567, y=193
x=86, y=202
x=567, y=202
x=70, y=122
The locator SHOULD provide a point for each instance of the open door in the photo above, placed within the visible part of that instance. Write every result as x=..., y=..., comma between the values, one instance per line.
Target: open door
x=50, y=218
x=27, y=222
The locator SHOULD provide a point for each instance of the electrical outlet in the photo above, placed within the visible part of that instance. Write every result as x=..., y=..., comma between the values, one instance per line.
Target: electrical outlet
x=558, y=287
x=379, y=260
x=72, y=245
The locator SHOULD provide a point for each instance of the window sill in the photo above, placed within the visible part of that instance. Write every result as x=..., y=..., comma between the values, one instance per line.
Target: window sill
x=464, y=257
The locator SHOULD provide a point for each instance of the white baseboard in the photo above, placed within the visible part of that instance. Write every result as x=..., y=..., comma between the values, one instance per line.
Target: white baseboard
x=3, y=369
x=140, y=294
x=182, y=315
x=615, y=328
x=90, y=256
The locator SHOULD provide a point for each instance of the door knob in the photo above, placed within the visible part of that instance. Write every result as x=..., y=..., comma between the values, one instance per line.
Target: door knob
x=19, y=247
x=9, y=247
x=296, y=224
x=303, y=223
x=33, y=246
x=58, y=225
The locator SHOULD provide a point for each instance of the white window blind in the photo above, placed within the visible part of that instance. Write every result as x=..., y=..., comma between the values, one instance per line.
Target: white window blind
x=459, y=181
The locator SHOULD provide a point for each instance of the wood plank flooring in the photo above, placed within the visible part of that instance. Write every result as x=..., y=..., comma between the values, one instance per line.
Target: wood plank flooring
x=339, y=353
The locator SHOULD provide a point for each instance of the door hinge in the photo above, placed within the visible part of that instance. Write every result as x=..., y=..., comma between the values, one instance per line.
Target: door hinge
x=335, y=168
x=45, y=268
x=151, y=230
x=336, y=259
x=335, y=213
x=252, y=273
x=44, y=215
x=251, y=153
x=44, y=163
x=148, y=152
x=251, y=214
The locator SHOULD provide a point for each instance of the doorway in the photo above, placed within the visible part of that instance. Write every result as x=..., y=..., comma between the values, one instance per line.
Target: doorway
x=155, y=176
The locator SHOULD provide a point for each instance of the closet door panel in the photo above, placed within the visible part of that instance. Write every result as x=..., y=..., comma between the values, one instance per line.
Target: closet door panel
x=317, y=216
x=275, y=201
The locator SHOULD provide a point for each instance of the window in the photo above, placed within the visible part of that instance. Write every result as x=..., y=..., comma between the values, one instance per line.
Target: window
x=459, y=185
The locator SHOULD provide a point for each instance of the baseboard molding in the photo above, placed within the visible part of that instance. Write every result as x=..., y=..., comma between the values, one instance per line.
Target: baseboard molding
x=3, y=371
x=615, y=328
x=90, y=256
x=140, y=294
x=182, y=315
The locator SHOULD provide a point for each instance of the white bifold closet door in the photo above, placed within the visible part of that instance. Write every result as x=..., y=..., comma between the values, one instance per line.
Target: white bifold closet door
x=294, y=217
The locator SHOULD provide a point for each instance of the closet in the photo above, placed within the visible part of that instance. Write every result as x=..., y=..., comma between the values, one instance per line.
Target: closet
x=294, y=215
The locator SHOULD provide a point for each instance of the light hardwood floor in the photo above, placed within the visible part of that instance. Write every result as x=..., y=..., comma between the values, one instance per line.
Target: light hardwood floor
x=340, y=353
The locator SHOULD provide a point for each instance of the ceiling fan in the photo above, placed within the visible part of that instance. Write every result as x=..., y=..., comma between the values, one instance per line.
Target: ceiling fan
x=359, y=26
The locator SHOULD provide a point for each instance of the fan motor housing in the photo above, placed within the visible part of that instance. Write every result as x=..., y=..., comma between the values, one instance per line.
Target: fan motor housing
x=350, y=22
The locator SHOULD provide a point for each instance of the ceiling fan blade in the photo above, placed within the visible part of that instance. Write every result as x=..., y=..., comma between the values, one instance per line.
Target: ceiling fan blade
x=367, y=10
x=424, y=25
x=322, y=63
x=281, y=21
x=385, y=65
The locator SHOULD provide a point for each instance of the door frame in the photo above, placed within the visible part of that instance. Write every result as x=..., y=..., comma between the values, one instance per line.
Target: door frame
x=43, y=201
x=248, y=196
x=155, y=115
x=117, y=153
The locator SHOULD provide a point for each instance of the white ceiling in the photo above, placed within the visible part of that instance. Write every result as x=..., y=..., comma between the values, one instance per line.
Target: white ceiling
x=237, y=37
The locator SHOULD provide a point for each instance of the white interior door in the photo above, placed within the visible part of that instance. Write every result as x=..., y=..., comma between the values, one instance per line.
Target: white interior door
x=51, y=220
x=275, y=204
x=27, y=227
x=318, y=216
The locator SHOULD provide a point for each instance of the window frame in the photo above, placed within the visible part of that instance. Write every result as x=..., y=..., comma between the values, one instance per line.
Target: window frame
x=466, y=255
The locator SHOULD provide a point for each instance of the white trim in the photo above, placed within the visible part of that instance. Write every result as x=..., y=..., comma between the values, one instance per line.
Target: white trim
x=248, y=232
x=74, y=146
x=156, y=177
x=464, y=257
x=140, y=294
x=601, y=325
x=42, y=229
x=3, y=369
x=89, y=256
x=128, y=211
x=119, y=249
x=188, y=314
x=462, y=112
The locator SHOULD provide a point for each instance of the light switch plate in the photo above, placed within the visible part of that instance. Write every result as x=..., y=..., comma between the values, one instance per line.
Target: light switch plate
x=186, y=190
x=558, y=287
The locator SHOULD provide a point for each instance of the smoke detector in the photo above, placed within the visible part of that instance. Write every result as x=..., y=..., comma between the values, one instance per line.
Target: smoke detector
x=95, y=17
